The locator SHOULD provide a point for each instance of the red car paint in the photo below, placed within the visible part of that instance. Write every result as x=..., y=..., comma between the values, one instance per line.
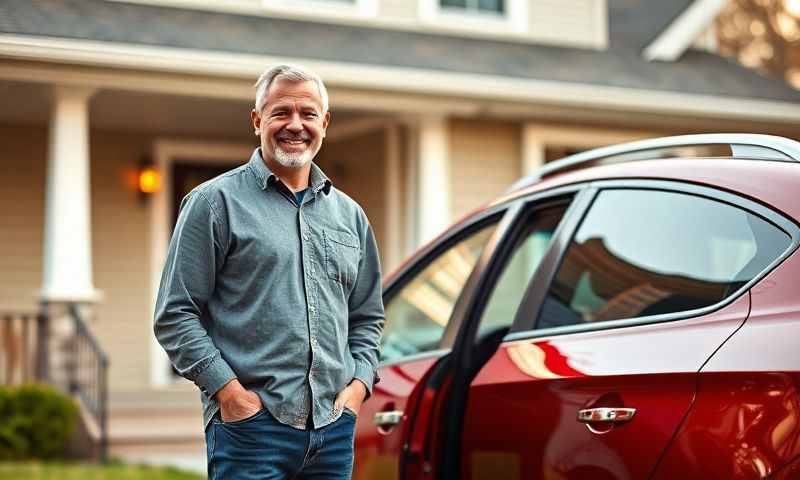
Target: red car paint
x=717, y=396
x=521, y=407
x=746, y=420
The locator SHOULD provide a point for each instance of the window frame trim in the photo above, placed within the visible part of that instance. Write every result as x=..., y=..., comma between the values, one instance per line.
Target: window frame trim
x=525, y=326
x=428, y=254
x=465, y=321
x=515, y=17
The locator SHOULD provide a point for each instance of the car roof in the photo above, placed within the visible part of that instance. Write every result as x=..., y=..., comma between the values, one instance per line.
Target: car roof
x=773, y=183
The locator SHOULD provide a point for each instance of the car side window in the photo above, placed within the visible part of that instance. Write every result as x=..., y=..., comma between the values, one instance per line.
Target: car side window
x=530, y=248
x=417, y=315
x=639, y=253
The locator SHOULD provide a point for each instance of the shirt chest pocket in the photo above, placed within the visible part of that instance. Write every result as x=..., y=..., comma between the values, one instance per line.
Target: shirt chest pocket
x=341, y=256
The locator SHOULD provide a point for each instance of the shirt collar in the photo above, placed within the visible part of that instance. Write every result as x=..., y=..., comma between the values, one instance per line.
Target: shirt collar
x=317, y=178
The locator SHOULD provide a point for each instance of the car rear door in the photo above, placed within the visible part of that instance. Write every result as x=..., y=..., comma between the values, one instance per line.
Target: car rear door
x=601, y=363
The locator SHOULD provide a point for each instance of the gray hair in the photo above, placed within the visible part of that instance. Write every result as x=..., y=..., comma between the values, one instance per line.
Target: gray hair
x=293, y=73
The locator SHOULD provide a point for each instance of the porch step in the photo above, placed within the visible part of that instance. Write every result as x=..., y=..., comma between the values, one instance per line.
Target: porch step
x=157, y=427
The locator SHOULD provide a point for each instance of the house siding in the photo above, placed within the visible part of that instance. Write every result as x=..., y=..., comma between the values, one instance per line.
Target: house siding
x=574, y=23
x=121, y=251
x=485, y=160
x=399, y=9
x=121, y=319
x=22, y=181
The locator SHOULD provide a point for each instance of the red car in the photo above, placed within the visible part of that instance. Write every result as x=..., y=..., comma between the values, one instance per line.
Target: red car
x=632, y=312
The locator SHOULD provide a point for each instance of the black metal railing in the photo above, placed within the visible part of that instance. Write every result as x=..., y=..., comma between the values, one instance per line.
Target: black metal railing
x=23, y=348
x=27, y=355
x=87, y=376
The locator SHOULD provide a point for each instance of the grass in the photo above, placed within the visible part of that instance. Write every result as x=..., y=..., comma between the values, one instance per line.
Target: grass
x=82, y=471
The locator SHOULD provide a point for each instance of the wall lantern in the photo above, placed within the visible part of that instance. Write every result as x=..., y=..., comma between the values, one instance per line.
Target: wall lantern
x=149, y=180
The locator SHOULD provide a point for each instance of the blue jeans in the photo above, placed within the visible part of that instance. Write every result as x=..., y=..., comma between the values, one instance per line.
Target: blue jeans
x=262, y=448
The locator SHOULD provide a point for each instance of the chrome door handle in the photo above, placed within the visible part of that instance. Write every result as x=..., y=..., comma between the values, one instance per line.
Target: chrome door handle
x=388, y=419
x=605, y=415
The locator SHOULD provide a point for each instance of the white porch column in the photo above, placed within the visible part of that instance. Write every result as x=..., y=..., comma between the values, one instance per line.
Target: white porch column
x=434, y=177
x=67, y=275
x=533, y=149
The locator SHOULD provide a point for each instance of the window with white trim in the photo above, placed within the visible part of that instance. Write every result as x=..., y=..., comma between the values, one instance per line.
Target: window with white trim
x=485, y=16
x=474, y=6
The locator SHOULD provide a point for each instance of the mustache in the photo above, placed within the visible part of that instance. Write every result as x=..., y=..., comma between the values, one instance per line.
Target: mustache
x=284, y=135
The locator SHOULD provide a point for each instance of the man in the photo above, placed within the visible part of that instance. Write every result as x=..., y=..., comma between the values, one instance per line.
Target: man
x=270, y=299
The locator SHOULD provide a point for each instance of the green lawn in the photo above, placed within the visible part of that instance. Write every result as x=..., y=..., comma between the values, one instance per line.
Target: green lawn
x=69, y=471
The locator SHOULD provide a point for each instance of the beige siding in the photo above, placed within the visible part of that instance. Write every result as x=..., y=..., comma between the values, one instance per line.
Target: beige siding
x=399, y=9
x=577, y=22
x=485, y=161
x=120, y=244
x=121, y=320
x=22, y=181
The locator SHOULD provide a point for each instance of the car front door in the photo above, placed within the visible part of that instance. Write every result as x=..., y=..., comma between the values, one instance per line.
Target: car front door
x=601, y=363
x=418, y=303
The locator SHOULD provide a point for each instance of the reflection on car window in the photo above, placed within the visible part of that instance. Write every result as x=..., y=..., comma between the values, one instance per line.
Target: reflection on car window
x=517, y=273
x=646, y=252
x=417, y=315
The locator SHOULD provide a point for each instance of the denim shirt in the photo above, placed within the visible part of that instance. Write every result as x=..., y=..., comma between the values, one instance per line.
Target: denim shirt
x=284, y=297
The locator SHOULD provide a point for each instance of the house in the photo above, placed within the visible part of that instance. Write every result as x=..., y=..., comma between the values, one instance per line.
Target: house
x=438, y=106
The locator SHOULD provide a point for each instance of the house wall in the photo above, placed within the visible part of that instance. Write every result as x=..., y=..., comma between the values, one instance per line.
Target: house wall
x=485, y=160
x=22, y=181
x=400, y=9
x=121, y=249
x=577, y=23
x=122, y=319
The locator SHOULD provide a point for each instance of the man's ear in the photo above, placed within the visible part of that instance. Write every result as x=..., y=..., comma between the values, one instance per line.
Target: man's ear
x=325, y=121
x=256, y=120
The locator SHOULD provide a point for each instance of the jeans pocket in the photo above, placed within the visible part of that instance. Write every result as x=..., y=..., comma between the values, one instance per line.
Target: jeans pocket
x=347, y=411
x=243, y=420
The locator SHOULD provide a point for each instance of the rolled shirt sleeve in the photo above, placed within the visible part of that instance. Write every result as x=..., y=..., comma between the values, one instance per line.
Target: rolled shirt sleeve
x=366, y=313
x=196, y=253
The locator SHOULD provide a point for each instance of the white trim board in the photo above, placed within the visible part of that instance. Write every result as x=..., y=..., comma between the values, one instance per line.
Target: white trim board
x=486, y=88
x=165, y=152
x=357, y=9
x=683, y=31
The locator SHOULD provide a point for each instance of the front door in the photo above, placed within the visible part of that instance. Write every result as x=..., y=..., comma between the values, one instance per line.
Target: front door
x=186, y=176
x=598, y=373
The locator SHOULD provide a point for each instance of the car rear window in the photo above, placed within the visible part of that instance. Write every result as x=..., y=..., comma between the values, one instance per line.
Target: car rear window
x=640, y=253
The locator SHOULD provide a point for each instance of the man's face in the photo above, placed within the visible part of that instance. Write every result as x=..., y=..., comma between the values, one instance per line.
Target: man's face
x=292, y=124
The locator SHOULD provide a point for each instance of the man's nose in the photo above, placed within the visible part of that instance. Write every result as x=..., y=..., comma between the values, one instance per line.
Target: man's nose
x=295, y=125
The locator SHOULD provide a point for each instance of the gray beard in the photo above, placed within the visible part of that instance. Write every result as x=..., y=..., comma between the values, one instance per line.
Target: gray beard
x=289, y=160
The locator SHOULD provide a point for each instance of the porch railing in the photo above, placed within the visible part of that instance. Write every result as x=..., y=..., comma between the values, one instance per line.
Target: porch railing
x=87, y=376
x=26, y=356
x=24, y=352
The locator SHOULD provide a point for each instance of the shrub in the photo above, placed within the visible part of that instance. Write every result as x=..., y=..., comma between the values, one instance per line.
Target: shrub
x=36, y=421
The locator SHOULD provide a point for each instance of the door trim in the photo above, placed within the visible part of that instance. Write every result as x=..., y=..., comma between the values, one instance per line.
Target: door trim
x=466, y=316
x=164, y=153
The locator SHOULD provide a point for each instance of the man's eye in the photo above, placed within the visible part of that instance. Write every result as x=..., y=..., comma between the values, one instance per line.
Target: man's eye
x=278, y=114
x=311, y=115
